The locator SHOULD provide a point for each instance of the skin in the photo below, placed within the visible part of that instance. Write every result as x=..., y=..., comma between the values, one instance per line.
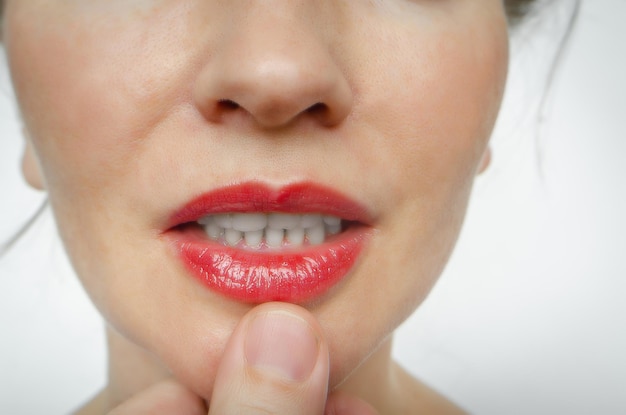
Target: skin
x=122, y=103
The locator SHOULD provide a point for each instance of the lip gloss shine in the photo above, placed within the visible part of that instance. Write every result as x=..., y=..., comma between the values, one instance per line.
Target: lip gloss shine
x=293, y=275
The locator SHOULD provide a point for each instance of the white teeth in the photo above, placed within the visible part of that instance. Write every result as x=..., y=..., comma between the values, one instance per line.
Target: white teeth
x=246, y=222
x=333, y=229
x=282, y=221
x=232, y=236
x=310, y=220
x=274, y=237
x=332, y=220
x=254, y=238
x=295, y=236
x=224, y=220
x=316, y=235
x=206, y=220
x=271, y=230
x=213, y=230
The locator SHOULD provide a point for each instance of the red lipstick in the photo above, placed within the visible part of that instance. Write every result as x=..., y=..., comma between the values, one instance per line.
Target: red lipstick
x=291, y=274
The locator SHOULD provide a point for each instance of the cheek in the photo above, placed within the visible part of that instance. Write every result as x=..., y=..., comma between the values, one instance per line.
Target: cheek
x=105, y=95
x=88, y=104
x=433, y=114
x=441, y=112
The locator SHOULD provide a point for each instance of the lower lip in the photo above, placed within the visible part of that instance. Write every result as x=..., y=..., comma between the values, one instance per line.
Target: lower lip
x=293, y=275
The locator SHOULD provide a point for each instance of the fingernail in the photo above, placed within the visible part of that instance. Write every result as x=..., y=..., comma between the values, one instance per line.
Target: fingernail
x=282, y=343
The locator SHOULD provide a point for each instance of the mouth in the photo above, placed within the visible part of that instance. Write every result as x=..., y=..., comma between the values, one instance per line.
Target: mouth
x=253, y=243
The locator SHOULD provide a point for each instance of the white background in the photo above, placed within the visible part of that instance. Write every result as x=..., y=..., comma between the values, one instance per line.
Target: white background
x=530, y=315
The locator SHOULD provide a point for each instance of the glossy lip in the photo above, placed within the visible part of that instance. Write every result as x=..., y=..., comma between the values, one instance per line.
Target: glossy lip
x=295, y=275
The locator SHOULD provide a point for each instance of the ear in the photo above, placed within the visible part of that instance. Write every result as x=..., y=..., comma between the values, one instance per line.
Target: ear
x=31, y=169
x=485, y=161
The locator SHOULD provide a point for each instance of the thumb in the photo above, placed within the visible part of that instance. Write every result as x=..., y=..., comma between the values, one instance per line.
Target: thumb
x=276, y=362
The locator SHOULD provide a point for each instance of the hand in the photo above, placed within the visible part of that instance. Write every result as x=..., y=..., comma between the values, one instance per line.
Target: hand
x=276, y=362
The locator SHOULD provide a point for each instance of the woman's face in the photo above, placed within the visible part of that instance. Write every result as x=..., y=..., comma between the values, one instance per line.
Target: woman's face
x=147, y=116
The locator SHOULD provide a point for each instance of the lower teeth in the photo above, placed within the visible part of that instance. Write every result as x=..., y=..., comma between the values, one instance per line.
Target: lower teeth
x=270, y=237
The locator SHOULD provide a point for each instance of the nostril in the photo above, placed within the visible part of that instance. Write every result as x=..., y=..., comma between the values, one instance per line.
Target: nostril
x=318, y=108
x=228, y=104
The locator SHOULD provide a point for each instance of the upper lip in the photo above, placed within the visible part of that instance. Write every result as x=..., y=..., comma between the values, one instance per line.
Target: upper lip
x=301, y=197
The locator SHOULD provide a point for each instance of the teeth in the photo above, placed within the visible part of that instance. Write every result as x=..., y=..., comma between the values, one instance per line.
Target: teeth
x=206, y=220
x=213, y=230
x=332, y=221
x=271, y=230
x=316, y=235
x=333, y=229
x=246, y=222
x=274, y=237
x=232, y=236
x=224, y=221
x=254, y=238
x=282, y=221
x=296, y=236
x=311, y=220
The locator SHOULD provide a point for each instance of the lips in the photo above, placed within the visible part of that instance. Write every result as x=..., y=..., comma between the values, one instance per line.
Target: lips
x=286, y=271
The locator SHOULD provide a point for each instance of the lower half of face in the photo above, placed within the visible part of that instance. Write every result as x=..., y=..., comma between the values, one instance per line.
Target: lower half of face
x=204, y=156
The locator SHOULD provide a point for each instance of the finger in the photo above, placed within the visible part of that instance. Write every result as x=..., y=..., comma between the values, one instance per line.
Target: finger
x=276, y=362
x=342, y=404
x=167, y=397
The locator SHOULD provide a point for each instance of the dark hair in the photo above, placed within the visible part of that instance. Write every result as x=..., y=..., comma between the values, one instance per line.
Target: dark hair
x=515, y=9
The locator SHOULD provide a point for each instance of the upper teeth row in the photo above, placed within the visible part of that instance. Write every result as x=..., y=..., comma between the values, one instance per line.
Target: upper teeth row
x=274, y=228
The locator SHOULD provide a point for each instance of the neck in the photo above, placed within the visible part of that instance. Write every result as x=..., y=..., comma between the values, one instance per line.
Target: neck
x=131, y=369
x=375, y=380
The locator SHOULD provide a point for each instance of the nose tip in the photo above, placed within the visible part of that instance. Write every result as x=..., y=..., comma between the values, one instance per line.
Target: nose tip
x=274, y=78
x=276, y=91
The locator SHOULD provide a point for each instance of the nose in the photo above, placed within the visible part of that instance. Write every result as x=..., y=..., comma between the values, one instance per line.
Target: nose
x=273, y=65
